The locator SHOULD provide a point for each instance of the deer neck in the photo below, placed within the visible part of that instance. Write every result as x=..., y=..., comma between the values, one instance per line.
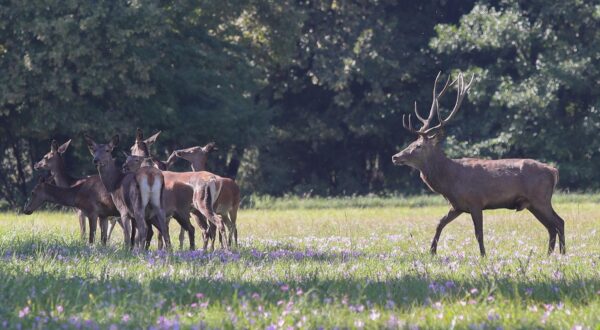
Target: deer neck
x=60, y=175
x=66, y=196
x=198, y=165
x=437, y=172
x=110, y=175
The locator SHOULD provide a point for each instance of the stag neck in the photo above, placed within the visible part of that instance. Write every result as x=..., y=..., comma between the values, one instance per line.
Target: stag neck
x=438, y=171
x=110, y=175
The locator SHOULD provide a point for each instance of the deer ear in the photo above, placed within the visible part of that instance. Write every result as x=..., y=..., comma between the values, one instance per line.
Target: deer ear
x=90, y=143
x=64, y=147
x=211, y=146
x=150, y=141
x=54, y=146
x=139, y=135
x=124, y=154
x=114, y=141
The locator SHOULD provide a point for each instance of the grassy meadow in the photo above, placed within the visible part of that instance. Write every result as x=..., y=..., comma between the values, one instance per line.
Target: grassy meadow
x=310, y=267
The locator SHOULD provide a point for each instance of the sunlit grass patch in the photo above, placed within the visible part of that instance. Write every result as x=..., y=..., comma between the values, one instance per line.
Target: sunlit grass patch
x=308, y=268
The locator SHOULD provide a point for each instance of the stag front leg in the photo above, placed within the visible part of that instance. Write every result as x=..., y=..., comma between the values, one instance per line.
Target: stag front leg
x=477, y=216
x=452, y=214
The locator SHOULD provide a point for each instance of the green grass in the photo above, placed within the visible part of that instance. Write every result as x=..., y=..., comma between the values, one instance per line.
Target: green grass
x=308, y=268
x=294, y=202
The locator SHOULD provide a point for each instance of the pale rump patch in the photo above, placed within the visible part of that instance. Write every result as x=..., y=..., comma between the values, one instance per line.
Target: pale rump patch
x=144, y=190
x=156, y=193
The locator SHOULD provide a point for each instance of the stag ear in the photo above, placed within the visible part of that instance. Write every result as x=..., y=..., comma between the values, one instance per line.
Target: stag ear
x=438, y=137
x=53, y=146
x=90, y=142
x=64, y=147
x=114, y=141
x=139, y=135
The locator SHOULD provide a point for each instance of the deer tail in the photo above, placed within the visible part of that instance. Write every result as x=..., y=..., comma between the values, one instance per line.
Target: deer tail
x=209, y=196
x=556, y=177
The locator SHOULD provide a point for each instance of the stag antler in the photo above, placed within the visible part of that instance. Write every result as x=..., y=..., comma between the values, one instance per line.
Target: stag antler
x=462, y=90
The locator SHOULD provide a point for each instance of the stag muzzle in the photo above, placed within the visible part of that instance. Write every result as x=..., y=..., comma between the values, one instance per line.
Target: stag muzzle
x=397, y=159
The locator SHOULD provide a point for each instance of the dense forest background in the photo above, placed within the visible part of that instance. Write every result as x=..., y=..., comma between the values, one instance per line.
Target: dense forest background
x=307, y=96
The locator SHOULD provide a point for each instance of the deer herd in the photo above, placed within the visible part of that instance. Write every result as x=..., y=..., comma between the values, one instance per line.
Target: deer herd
x=142, y=193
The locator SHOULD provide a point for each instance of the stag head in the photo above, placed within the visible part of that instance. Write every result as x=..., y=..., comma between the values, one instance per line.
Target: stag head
x=102, y=153
x=421, y=150
x=51, y=159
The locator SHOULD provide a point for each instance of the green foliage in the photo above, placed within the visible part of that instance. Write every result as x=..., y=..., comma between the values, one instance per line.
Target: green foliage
x=309, y=95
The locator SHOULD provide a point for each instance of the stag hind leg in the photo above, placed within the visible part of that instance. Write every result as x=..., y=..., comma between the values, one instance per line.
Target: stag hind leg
x=477, y=216
x=452, y=214
x=553, y=223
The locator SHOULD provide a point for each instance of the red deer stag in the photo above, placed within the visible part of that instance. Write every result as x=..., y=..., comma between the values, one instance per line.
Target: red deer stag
x=473, y=185
x=98, y=199
x=131, y=192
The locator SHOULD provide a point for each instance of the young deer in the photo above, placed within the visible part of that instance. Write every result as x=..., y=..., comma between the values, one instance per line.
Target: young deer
x=181, y=187
x=177, y=198
x=473, y=185
x=82, y=195
x=228, y=202
x=131, y=192
x=197, y=156
x=98, y=197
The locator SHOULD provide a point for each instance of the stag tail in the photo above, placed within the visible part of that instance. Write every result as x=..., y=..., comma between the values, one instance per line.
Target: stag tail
x=556, y=177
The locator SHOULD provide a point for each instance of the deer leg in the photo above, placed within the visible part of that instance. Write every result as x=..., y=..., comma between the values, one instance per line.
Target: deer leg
x=230, y=228
x=203, y=224
x=111, y=226
x=140, y=224
x=93, y=224
x=103, y=230
x=149, y=235
x=233, y=217
x=477, y=217
x=186, y=225
x=81, y=217
x=552, y=224
x=560, y=227
x=452, y=214
x=160, y=236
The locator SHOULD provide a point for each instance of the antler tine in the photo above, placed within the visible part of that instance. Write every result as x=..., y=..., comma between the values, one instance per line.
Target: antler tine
x=462, y=91
x=421, y=119
x=408, y=124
